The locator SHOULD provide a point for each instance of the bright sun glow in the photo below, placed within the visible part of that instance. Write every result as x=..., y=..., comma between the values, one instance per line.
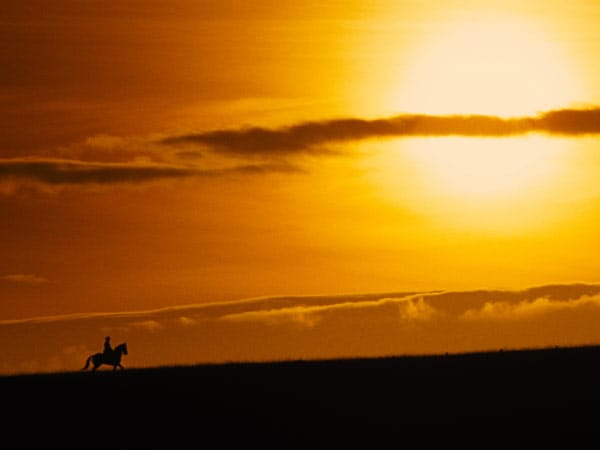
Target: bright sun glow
x=503, y=66
x=495, y=184
x=492, y=168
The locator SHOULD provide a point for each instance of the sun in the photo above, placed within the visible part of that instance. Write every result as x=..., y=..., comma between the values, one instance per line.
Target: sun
x=499, y=65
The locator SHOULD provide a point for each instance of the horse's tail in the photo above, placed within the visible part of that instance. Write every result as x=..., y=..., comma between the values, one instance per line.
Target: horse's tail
x=87, y=363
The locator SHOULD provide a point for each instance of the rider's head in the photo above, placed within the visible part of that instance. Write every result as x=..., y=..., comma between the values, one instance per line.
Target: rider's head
x=107, y=338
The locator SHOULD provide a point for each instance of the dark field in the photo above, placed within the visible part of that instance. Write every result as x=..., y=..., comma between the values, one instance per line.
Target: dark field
x=513, y=399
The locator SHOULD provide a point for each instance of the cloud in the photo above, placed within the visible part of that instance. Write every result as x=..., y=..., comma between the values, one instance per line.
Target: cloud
x=274, y=328
x=80, y=172
x=299, y=315
x=570, y=121
x=148, y=325
x=105, y=160
x=63, y=172
x=528, y=309
x=309, y=137
x=186, y=321
x=21, y=278
x=417, y=309
x=408, y=307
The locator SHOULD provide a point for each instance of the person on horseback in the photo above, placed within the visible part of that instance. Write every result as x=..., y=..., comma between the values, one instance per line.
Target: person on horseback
x=107, y=348
x=110, y=356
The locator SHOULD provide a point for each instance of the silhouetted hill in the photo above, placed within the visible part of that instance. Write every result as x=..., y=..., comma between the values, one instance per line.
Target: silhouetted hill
x=545, y=398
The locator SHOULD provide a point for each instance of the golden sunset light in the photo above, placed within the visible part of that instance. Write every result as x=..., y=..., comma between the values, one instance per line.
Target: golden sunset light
x=491, y=64
x=252, y=181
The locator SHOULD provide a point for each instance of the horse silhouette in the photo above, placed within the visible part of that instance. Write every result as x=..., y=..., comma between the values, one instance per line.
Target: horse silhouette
x=111, y=359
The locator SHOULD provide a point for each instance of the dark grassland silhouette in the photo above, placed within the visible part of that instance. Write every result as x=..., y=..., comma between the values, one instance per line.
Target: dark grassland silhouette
x=110, y=357
x=544, y=398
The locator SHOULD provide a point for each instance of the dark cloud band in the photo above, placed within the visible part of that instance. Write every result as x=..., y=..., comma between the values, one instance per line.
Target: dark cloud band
x=71, y=172
x=309, y=136
x=79, y=172
x=271, y=147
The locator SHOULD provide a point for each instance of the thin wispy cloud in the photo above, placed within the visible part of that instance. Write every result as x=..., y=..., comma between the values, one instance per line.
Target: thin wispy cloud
x=529, y=309
x=149, y=325
x=319, y=327
x=409, y=306
x=24, y=278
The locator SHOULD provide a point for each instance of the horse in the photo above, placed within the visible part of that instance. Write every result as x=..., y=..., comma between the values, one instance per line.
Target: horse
x=111, y=359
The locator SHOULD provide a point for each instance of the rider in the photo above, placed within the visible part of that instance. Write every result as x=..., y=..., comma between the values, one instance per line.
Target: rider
x=107, y=348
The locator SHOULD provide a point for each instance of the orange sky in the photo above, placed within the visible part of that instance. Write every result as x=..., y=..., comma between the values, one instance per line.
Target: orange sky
x=154, y=155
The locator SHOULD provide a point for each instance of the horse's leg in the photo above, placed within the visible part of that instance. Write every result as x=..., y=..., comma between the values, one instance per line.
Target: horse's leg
x=121, y=366
x=96, y=361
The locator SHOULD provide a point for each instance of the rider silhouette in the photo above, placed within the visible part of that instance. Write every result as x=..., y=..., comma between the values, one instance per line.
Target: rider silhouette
x=107, y=348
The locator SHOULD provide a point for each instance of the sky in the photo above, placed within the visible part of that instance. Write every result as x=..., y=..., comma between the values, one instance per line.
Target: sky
x=237, y=180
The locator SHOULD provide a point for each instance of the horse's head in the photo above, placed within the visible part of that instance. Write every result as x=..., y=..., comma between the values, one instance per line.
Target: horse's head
x=122, y=348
